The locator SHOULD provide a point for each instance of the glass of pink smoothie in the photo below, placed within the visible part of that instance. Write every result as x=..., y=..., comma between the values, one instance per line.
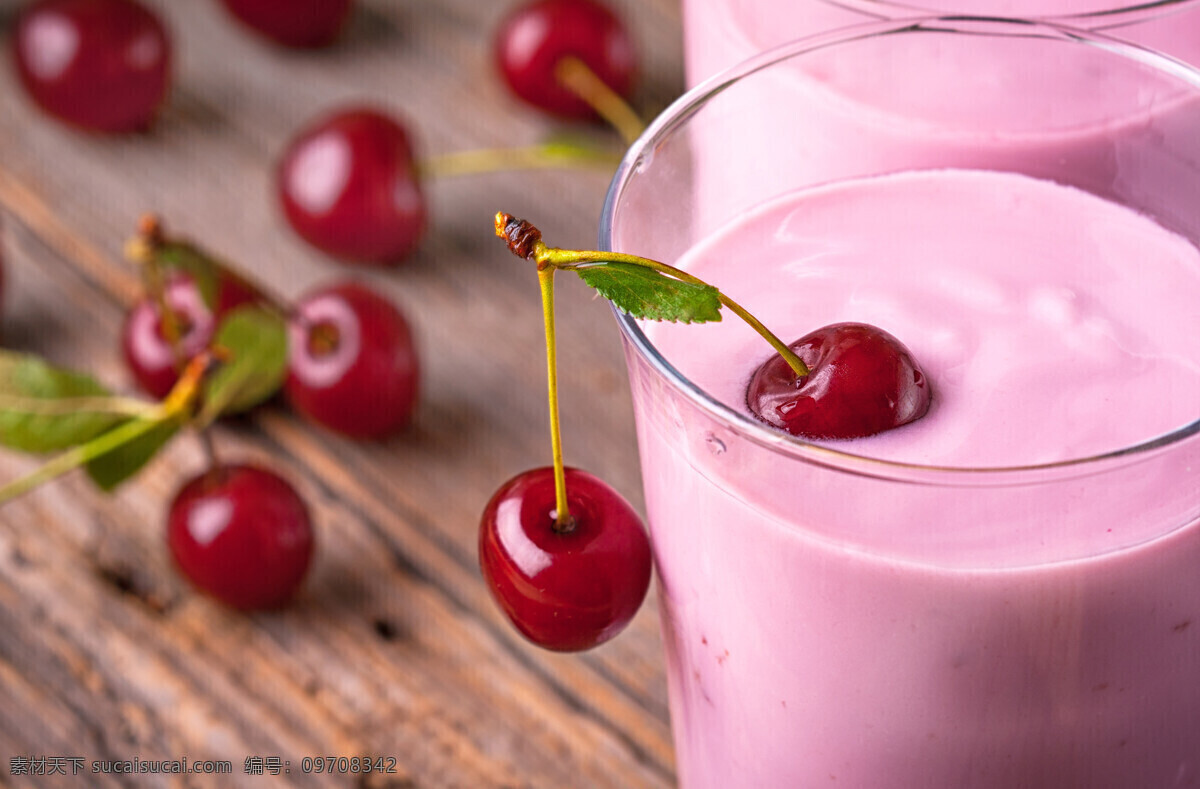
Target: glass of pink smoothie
x=1005, y=593
x=721, y=33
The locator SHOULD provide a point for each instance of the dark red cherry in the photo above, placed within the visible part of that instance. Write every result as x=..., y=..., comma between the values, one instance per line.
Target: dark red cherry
x=3, y=277
x=293, y=23
x=564, y=590
x=149, y=355
x=349, y=187
x=861, y=381
x=233, y=291
x=532, y=40
x=102, y=65
x=352, y=365
x=241, y=534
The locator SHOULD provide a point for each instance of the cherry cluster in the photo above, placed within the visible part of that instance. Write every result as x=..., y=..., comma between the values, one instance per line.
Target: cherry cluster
x=349, y=184
x=343, y=357
x=351, y=360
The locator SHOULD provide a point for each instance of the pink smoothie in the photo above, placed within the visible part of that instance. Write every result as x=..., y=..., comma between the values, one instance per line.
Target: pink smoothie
x=878, y=102
x=721, y=33
x=833, y=621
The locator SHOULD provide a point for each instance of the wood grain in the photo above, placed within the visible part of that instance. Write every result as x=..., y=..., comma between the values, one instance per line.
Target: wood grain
x=393, y=648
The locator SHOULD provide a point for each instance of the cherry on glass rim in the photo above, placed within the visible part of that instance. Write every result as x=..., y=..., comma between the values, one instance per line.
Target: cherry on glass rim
x=293, y=23
x=348, y=185
x=533, y=39
x=101, y=65
x=861, y=381
x=564, y=590
x=241, y=534
x=352, y=362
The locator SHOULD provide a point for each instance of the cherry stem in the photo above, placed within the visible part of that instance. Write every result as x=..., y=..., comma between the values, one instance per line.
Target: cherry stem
x=563, y=522
x=177, y=405
x=209, y=447
x=524, y=240
x=143, y=250
x=575, y=75
x=79, y=456
x=115, y=405
x=544, y=156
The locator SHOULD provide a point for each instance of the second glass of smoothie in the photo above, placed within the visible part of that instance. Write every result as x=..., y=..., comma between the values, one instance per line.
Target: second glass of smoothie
x=718, y=34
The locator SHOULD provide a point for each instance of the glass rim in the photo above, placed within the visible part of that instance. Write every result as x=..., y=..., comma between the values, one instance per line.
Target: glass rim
x=1115, y=15
x=743, y=424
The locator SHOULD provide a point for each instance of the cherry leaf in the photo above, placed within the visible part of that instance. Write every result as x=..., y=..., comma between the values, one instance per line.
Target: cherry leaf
x=645, y=293
x=92, y=451
x=46, y=409
x=120, y=463
x=256, y=339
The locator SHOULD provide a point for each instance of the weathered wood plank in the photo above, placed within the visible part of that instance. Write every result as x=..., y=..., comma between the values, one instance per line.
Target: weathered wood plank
x=393, y=648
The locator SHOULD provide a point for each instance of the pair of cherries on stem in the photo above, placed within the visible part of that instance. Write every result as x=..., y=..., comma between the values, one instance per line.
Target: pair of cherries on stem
x=240, y=533
x=565, y=556
x=352, y=364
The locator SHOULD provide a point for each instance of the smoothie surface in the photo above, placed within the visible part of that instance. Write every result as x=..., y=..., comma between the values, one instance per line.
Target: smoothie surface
x=1054, y=325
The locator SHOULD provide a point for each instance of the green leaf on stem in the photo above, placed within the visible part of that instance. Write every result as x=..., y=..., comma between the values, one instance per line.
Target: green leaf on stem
x=46, y=409
x=256, y=339
x=123, y=461
x=645, y=293
x=92, y=451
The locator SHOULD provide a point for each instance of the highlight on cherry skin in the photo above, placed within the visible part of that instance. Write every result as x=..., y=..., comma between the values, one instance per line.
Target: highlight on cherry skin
x=352, y=362
x=535, y=37
x=151, y=357
x=299, y=24
x=349, y=186
x=564, y=589
x=861, y=381
x=100, y=65
x=242, y=535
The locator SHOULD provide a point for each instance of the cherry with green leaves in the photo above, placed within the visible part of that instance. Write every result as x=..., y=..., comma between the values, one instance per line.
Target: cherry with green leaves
x=156, y=341
x=189, y=296
x=343, y=355
x=246, y=542
x=239, y=533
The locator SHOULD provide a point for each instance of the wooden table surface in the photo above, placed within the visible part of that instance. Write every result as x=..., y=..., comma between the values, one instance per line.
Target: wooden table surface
x=393, y=649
